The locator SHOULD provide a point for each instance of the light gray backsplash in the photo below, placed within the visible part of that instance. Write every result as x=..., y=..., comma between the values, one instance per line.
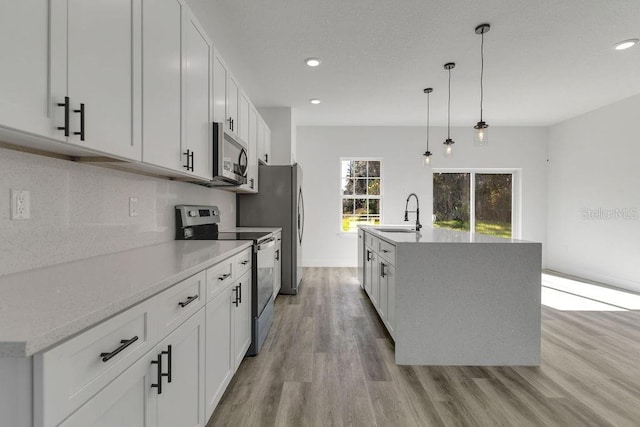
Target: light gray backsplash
x=79, y=211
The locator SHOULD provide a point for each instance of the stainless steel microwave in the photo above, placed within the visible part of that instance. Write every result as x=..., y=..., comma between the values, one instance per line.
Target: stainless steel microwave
x=229, y=159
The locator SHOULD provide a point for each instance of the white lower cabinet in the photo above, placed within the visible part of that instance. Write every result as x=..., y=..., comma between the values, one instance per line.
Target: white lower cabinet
x=277, y=270
x=180, y=399
x=128, y=401
x=219, y=369
x=165, y=362
x=241, y=319
x=379, y=277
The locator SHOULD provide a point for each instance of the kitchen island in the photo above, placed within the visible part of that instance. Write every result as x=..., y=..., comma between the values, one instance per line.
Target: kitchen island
x=454, y=298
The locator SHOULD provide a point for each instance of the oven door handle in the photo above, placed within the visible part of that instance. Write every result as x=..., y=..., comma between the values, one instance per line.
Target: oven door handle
x=267, y=244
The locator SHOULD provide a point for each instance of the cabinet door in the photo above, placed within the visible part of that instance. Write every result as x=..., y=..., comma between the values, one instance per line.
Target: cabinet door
x=242, y=319
x=181, y=401
x=197, y=103
x=218, y=349
x=361, y=257
x=103, y=73
x=368, y=261
x=277, y=271
x=243, y=117
x=260, y=139
x=382, y=289
x=232, y=103
x=128, y=401
x=219, y=91
x=161, y=95
x=390, y=278
x=24, y=74
x=375, y=278
x=267, y=145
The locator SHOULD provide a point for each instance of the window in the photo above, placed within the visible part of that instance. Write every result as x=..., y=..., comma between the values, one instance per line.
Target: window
x=360, y=190
x=482, y=202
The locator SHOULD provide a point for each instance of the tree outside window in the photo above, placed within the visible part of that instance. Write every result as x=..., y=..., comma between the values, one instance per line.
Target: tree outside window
x=361, y=195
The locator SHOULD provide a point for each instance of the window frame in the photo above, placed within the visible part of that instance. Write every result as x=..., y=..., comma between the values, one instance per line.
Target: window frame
x=366, y=197
x=516, y=194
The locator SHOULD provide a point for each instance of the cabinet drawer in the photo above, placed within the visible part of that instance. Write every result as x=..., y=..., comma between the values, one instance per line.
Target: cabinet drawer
x=388, y=252
x=178, y=303
x=219, y=277
x=243, y=262
x=68, y=375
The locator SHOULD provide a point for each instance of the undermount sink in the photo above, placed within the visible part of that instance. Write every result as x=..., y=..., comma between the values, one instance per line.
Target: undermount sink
x=396, y=230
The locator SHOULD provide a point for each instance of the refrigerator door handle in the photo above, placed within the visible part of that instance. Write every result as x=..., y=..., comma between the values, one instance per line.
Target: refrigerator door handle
x=300, y=215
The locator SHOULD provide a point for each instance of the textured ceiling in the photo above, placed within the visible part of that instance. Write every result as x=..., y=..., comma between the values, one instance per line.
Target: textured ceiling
x=545, y=60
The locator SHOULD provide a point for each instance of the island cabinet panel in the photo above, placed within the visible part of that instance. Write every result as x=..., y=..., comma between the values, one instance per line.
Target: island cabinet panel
x=481, y=310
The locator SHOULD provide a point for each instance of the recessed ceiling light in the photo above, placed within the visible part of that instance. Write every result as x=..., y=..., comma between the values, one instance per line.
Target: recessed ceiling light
x=625, y=44
x=314, y=101
x=312, y=62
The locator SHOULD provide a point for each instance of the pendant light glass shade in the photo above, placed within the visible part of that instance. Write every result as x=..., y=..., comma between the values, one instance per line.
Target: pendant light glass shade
x=448, y=143
x=426, y=156
x=481, y=133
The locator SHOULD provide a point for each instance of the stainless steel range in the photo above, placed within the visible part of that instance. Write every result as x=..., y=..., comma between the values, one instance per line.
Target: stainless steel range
x=201, y=223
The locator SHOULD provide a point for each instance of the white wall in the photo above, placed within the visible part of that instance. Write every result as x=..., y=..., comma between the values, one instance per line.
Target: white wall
x=401, y=148
x=78, y=210
x=594, y=163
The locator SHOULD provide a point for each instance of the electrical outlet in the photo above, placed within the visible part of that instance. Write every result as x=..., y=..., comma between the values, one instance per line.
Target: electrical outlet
x=133, y=206
x=20, y=204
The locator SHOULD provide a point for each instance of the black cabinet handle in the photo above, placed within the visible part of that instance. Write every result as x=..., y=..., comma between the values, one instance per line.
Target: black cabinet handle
x=251, y=183
x=368, y=255
x=240, y=292
x=188, y=301
x=65, y=104
x=123, y=344
x=189, y=165
x=224, y=276
x=266, y=158
x=245, y=262
x=236, y=300
x=81, y=111
x=385, y=251
x=159, y=370
x=382, y=266
x=278, y=255
x=169, y=363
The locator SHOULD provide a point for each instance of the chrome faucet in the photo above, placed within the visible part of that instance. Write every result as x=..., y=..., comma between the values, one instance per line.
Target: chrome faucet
x=417, y=211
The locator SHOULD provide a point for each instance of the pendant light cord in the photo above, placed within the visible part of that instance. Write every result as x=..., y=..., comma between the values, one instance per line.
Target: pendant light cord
x=449, y=109
x=428, y=121
x=481, y=74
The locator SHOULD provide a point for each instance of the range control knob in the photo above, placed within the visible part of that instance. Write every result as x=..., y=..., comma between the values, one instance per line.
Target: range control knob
x=193, y=213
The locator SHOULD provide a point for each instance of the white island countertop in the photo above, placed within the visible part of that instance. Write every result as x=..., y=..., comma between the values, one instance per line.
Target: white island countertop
x=429, y=234
x=39, y=308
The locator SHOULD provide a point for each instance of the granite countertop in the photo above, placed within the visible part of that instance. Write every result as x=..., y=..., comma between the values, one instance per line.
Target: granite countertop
x=39, y=308
x=429, y=234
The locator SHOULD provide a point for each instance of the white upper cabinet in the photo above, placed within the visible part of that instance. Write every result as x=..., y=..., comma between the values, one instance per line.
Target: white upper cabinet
x=219, y=90
x=95, y=62
x=243, y=117
x=264, y=142
x=24, y=74
x=251, y=121
x=198, y=128
x=161, y=95
x=233, y=92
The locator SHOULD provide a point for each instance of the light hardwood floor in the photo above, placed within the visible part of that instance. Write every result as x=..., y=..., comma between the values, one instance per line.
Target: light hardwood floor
x=328, y=361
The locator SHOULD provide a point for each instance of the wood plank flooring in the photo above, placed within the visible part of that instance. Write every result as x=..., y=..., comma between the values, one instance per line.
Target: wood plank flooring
x=328, y=361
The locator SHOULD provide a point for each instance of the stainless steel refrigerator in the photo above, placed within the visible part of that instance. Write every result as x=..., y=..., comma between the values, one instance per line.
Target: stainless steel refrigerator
x=279, y=203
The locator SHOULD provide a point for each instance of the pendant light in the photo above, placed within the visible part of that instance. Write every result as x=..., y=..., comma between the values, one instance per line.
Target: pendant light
x=448, y=143
x=481, y=134
x=427, y=154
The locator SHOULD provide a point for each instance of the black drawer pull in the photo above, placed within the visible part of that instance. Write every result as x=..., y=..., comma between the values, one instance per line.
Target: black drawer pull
x=188, y=301
x=382, y=272
x=65, y=104
x=169, y=362
x=368, y=255
x=124, y=344
x=385, y=251
x=245, y=262
x=224, y=276
x=278, y=255
x=81, y=111
x=159, y=363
